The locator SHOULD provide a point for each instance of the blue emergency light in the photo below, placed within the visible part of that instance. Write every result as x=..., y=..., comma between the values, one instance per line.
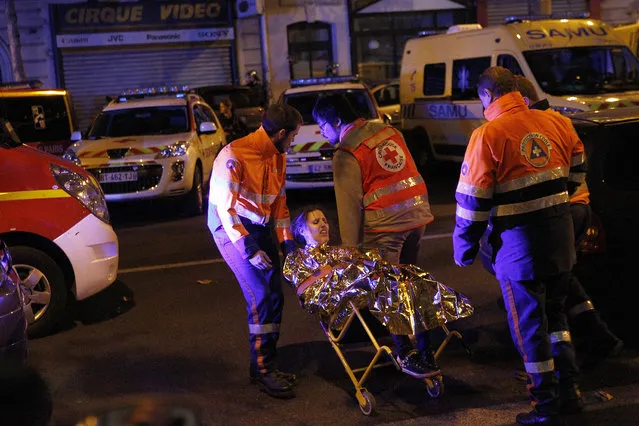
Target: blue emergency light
x=178, y=91
x=565, y=15
x=324, y=80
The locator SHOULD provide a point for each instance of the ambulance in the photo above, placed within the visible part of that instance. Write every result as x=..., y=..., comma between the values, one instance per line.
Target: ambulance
x=577, y=64
x=42, y=118
x=309, y=162
x=54, y=218
x=630, y=35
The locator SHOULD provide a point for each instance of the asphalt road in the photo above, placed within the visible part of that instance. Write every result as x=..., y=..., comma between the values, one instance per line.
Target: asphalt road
x=184, y=340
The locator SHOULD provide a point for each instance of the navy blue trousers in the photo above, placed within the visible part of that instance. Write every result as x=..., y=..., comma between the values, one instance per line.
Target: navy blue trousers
x=262, y=292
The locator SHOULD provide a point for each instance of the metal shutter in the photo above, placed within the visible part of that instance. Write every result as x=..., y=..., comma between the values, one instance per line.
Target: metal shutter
x=499, y=10
x=92, y=75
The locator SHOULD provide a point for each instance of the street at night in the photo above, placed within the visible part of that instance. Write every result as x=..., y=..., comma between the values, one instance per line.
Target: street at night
x=185, y=340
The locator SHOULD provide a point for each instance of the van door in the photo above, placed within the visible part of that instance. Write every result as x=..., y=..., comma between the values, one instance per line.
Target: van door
x=450, y=121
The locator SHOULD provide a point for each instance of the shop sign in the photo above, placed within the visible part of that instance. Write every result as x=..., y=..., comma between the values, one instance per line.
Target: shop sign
x=148, y=14
x=67, y=41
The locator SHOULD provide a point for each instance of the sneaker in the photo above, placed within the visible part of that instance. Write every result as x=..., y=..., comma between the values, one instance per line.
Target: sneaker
x=274, y=385
x=534, y=417
x=414, y=365
x=289, y=377
x=430, y=361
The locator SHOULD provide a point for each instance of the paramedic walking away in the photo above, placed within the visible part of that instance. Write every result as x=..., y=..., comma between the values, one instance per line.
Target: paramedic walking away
x=522, y=165
x=247, y=203
x=382, y=201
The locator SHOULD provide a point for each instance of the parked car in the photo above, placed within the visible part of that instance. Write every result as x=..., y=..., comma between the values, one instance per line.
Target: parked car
x=13, y=322
x=387, y=97
x=42, y=118
x=608, y=255
x=309, y=161
x=248, y=101
x=152, y=143
x=54, y=218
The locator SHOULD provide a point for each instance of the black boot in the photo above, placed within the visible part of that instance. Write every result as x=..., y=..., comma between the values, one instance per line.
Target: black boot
x=570, y=400
x=536, y=418
x=274, y=384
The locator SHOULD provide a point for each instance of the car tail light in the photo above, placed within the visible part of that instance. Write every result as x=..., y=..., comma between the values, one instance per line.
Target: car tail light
x=595, y=239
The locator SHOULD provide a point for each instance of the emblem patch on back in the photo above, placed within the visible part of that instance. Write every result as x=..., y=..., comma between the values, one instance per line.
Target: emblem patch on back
x=536, y=148
x=390, y=156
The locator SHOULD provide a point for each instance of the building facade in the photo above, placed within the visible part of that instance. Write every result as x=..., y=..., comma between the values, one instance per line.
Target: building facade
x=99, y=48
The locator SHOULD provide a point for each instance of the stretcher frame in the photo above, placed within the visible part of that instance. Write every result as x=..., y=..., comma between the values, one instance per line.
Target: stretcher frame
x=365, y=399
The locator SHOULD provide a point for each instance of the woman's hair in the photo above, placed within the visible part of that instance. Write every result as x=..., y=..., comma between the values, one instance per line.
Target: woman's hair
x=299, y=223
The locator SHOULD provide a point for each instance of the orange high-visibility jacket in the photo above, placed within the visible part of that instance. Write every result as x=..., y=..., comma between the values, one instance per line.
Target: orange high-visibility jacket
x=377, y=182
x=518, y=169
x=248, y=184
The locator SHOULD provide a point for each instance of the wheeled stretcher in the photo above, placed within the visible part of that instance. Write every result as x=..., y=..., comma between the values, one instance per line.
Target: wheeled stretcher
x=365, y=399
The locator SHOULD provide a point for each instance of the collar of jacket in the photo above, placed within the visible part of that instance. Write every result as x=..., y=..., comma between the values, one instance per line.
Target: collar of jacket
x=542, y=105
x=264, y=143
x=350, y=127
x=508, y=102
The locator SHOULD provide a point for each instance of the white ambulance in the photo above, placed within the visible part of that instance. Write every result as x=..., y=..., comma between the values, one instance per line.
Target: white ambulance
x=577, y=64
x=309, y=162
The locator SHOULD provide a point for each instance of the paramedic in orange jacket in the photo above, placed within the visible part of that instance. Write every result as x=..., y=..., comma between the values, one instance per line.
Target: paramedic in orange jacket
x=382, y=201
x=247, y=202
x=519, y=170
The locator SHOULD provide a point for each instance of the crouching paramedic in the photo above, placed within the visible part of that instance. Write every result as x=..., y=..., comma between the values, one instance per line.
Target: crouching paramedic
x=522, y=165
x=247, y=200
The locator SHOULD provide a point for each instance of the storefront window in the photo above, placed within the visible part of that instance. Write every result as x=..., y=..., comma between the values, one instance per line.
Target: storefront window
x=310, y=49
x=379, y=39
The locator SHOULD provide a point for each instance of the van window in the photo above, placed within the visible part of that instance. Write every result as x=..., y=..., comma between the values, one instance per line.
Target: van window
x=389, y=95
x=38, y=118
x=586, y=70
x=509, y=62
x=466, y=74
x=434, y=79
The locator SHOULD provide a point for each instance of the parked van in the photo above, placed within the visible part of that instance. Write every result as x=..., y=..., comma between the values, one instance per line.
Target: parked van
x=630, y=35
x=577, y=64
x=54, y=218
x=42, y=118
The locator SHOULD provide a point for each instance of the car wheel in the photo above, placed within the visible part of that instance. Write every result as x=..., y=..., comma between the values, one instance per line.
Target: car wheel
x=43, y=281
x=195, y=198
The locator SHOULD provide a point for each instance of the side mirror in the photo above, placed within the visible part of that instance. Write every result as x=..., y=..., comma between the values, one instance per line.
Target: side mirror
x=76, y=136
x=387, y=119
x=208, y=127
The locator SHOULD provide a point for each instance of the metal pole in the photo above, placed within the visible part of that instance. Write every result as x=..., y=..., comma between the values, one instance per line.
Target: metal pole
x=266, y=76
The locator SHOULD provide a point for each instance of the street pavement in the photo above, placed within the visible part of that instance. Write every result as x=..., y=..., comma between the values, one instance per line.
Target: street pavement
x=173, y=329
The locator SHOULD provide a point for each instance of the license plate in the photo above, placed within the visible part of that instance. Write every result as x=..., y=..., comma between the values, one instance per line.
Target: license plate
x=118, y=177
x=320, y=168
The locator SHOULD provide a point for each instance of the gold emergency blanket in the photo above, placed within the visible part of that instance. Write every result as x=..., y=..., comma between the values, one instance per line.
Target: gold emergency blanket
x=405, y=298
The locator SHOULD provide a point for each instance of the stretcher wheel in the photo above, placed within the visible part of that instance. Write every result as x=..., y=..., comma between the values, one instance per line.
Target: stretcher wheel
x=435, y=386
x=369, y=407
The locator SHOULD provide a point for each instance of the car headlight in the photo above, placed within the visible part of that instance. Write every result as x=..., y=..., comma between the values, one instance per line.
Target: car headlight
x=85, y=190
x=70, y=155
x=566, y=110
x=176, y=150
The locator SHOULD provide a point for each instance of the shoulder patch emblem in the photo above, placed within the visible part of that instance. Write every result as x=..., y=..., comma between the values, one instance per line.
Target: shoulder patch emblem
x=464, y=169
x=536, y=148
x=232, y=163
x=390, y=156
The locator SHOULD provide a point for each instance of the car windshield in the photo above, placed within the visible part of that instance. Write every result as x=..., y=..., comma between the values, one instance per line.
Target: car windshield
x=161, y=120
x=587, y=70
x=38, y=118
x=304, y=102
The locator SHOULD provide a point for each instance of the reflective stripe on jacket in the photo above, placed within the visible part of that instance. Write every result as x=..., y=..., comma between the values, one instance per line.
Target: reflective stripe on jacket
x=248, y=182
x=392, y=195
x=516, y=169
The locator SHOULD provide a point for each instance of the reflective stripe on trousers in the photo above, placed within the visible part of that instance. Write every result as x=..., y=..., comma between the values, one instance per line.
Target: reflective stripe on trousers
x=263, y=294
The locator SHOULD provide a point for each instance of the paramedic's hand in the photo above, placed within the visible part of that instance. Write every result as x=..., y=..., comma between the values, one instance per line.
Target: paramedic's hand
x=261, y=260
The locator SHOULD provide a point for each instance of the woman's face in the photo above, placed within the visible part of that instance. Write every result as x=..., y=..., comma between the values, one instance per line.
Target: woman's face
x=316, y=230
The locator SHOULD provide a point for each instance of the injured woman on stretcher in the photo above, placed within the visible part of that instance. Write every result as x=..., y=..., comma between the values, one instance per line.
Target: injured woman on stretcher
x=404, y=298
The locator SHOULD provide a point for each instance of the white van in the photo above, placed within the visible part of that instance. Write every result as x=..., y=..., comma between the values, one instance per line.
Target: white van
x=577, y=64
